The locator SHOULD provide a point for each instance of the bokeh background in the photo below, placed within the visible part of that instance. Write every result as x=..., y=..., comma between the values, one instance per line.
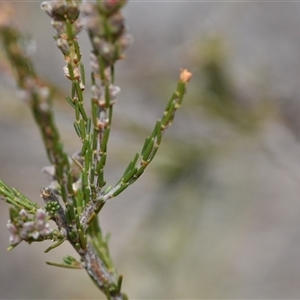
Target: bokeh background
x=217, y=214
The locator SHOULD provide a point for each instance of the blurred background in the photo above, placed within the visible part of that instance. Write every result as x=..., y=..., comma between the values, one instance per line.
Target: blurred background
x=217, y=214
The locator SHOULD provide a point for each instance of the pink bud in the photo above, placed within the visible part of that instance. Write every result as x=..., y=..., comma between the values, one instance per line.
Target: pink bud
x=14, y=239
x=11, y=227
x=23, y=213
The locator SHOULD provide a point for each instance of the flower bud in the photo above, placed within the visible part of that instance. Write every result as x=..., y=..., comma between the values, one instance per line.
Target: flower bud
x=63, y=46
x=73, y=10
x=23, y=213
x=114, y=91
x=59, y=26
x=11, y=227
x=125, y=41
x=78, y=26
x=41, y=215
x=46, y=230
x=76, y=72
x=93, y=25
x=116, y=24
x=28, y=226
x=96, y=91
x=59, y=7
x=14, y=239
x=47, y=7
x=35, y=234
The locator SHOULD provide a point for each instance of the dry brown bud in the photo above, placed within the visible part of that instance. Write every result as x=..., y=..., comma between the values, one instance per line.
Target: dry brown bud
x=59, y=7
x=116, y=24
x=73, y=10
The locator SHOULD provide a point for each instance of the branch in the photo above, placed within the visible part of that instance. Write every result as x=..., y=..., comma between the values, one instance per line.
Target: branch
x=141, y=160
x=39, y=98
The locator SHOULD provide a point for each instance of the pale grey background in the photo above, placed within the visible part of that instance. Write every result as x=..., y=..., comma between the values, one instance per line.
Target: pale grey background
x=241, y=237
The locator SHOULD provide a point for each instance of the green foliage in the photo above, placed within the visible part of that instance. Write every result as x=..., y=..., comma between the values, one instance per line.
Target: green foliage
x=78, y=189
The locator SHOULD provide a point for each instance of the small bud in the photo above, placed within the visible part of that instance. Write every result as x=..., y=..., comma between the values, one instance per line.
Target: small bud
x=46, y=230
x=44, y=93
x=94, y=63
x=106, y=48
x=59, y=7
x=95, y=67
x=14, y=239
x=66, y=71
x=23, y=234
x=35, y=234
x=23, y=213
x=11, y=227
x=41, y=215
x=28, y=226
x=185, y=76
x=76, y=185
x=114, y=91
x=78, y=26
x=29, y=84
x=96, y=91
x=40, y=225
x=24, y=95
x=125, y=41
x=116, y=24
x=59, y=26
x=44, y=106
x=76, y=72
x=82, y=86
x=63, y=46
x=93, y=25
x=47, y=7
x=73, y=10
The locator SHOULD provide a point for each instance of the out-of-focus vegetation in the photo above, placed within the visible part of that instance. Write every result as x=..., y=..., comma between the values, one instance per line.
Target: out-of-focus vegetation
x=167, y=247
